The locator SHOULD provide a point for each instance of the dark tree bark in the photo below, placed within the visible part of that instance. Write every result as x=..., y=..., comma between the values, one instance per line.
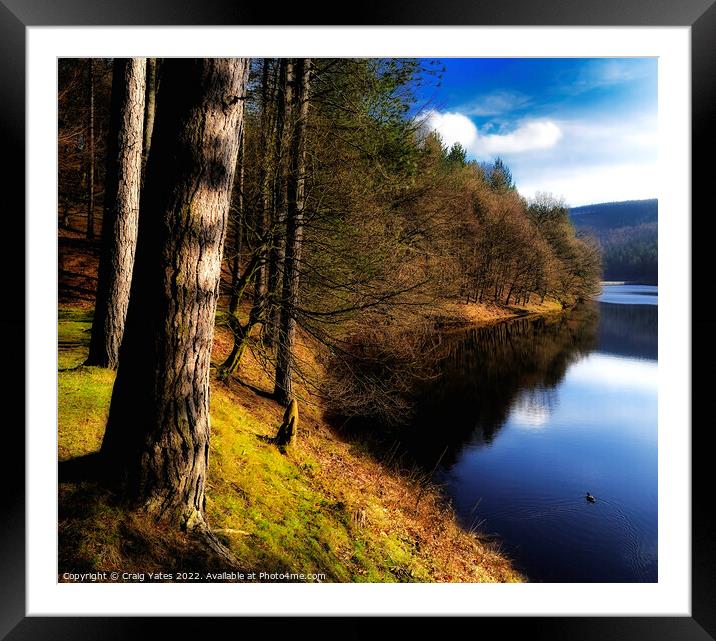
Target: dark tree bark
x=262, y=226
x=157, y=439
x=288, y=430
x=283, y=389
x=149, y=107
x=65, y=215
x=236, y=291
x=121, y=211
x=284, y=100
x=90, y=152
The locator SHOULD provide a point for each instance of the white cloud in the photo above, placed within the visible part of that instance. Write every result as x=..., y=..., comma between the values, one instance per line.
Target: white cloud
x=598, y=160
x=607, y=72
x=529, y=135
x=498, y=102
x=585, y=185
x=586, y=160
x=625, y=137
x=453, y=127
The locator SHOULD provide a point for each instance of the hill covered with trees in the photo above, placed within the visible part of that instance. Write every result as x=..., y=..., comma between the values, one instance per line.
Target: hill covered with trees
x=627, y=234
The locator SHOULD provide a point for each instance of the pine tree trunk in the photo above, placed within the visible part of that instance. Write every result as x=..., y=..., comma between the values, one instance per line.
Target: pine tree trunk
x=90, y=152
x=283, y=389
x=121, y=211
x=236, y=291
x=279, y=196
x=150, y=102
x=261, y=281
x=157, y=438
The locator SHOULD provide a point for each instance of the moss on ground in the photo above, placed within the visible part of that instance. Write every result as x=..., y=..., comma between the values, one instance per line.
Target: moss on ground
x=323, y=507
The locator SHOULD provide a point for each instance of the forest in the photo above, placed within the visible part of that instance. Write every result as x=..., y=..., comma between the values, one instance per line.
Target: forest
x=627, y=234
x=253, y=252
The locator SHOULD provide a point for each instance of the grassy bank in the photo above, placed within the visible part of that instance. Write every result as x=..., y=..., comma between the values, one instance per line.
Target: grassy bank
x=327, y=507
x=456, y=314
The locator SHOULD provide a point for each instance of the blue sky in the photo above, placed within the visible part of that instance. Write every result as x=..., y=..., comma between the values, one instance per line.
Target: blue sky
x=581, y=129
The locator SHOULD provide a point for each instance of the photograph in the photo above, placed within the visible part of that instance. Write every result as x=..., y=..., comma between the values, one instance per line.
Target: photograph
x=327, y=323
x=358, y=319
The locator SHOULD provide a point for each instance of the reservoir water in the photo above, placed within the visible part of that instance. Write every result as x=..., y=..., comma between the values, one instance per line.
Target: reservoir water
x=528, y=416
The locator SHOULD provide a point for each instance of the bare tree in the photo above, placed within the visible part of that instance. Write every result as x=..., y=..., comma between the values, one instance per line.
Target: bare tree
x=279, y=186
x=264, y=265
x=294, y=235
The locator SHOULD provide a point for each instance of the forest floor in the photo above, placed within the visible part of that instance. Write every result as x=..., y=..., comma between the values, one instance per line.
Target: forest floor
x=328, y=508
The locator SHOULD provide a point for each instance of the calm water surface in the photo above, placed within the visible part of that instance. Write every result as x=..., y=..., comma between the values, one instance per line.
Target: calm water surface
x=630, y=294
x=528, y=416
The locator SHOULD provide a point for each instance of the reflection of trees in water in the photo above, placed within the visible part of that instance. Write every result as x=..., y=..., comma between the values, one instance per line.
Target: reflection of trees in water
x=629, y=330
x=535, y=406
x=485, y=370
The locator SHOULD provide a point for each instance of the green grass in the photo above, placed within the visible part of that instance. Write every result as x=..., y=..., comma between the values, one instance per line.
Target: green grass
x=73, y=335
x=83, y=394
x=286, y=518
x=277, y=512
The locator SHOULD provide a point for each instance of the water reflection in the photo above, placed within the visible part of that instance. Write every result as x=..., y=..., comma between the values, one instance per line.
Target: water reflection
x=484, y=371
x=533, y=408
x=628, y=330
x=527, y=416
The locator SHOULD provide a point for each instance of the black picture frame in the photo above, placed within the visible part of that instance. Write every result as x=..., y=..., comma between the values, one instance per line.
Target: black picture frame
x=700, y=15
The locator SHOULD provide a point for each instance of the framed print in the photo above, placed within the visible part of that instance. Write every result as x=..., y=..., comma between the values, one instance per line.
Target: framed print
x=374, y=332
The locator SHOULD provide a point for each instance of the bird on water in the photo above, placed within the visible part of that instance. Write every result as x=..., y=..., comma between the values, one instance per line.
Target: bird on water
x=590, y=498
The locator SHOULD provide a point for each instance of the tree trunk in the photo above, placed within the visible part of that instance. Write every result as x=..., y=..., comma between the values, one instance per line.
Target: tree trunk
x=239, y=281
x=236, y=292
x=65, y=215
x=157, y=438
x=266, y=124
x=509, y=293
x=241, y=332
x=279, y=191
x=121, y=211
x=150, y=103
x=294, y=237
x=90, y=152
x=288, y=430
x=265, y=281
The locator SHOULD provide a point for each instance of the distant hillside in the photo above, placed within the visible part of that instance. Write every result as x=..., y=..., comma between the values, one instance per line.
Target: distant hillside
x=627, y=233
x=614, y=215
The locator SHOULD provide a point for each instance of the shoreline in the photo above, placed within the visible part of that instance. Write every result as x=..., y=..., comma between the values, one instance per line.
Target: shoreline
x=416, y=526
x=373, y=516
x=457, y=316
x=328, y=506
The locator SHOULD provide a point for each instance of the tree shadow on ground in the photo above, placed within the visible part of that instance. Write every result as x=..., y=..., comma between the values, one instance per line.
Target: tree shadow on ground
x=98, y=533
